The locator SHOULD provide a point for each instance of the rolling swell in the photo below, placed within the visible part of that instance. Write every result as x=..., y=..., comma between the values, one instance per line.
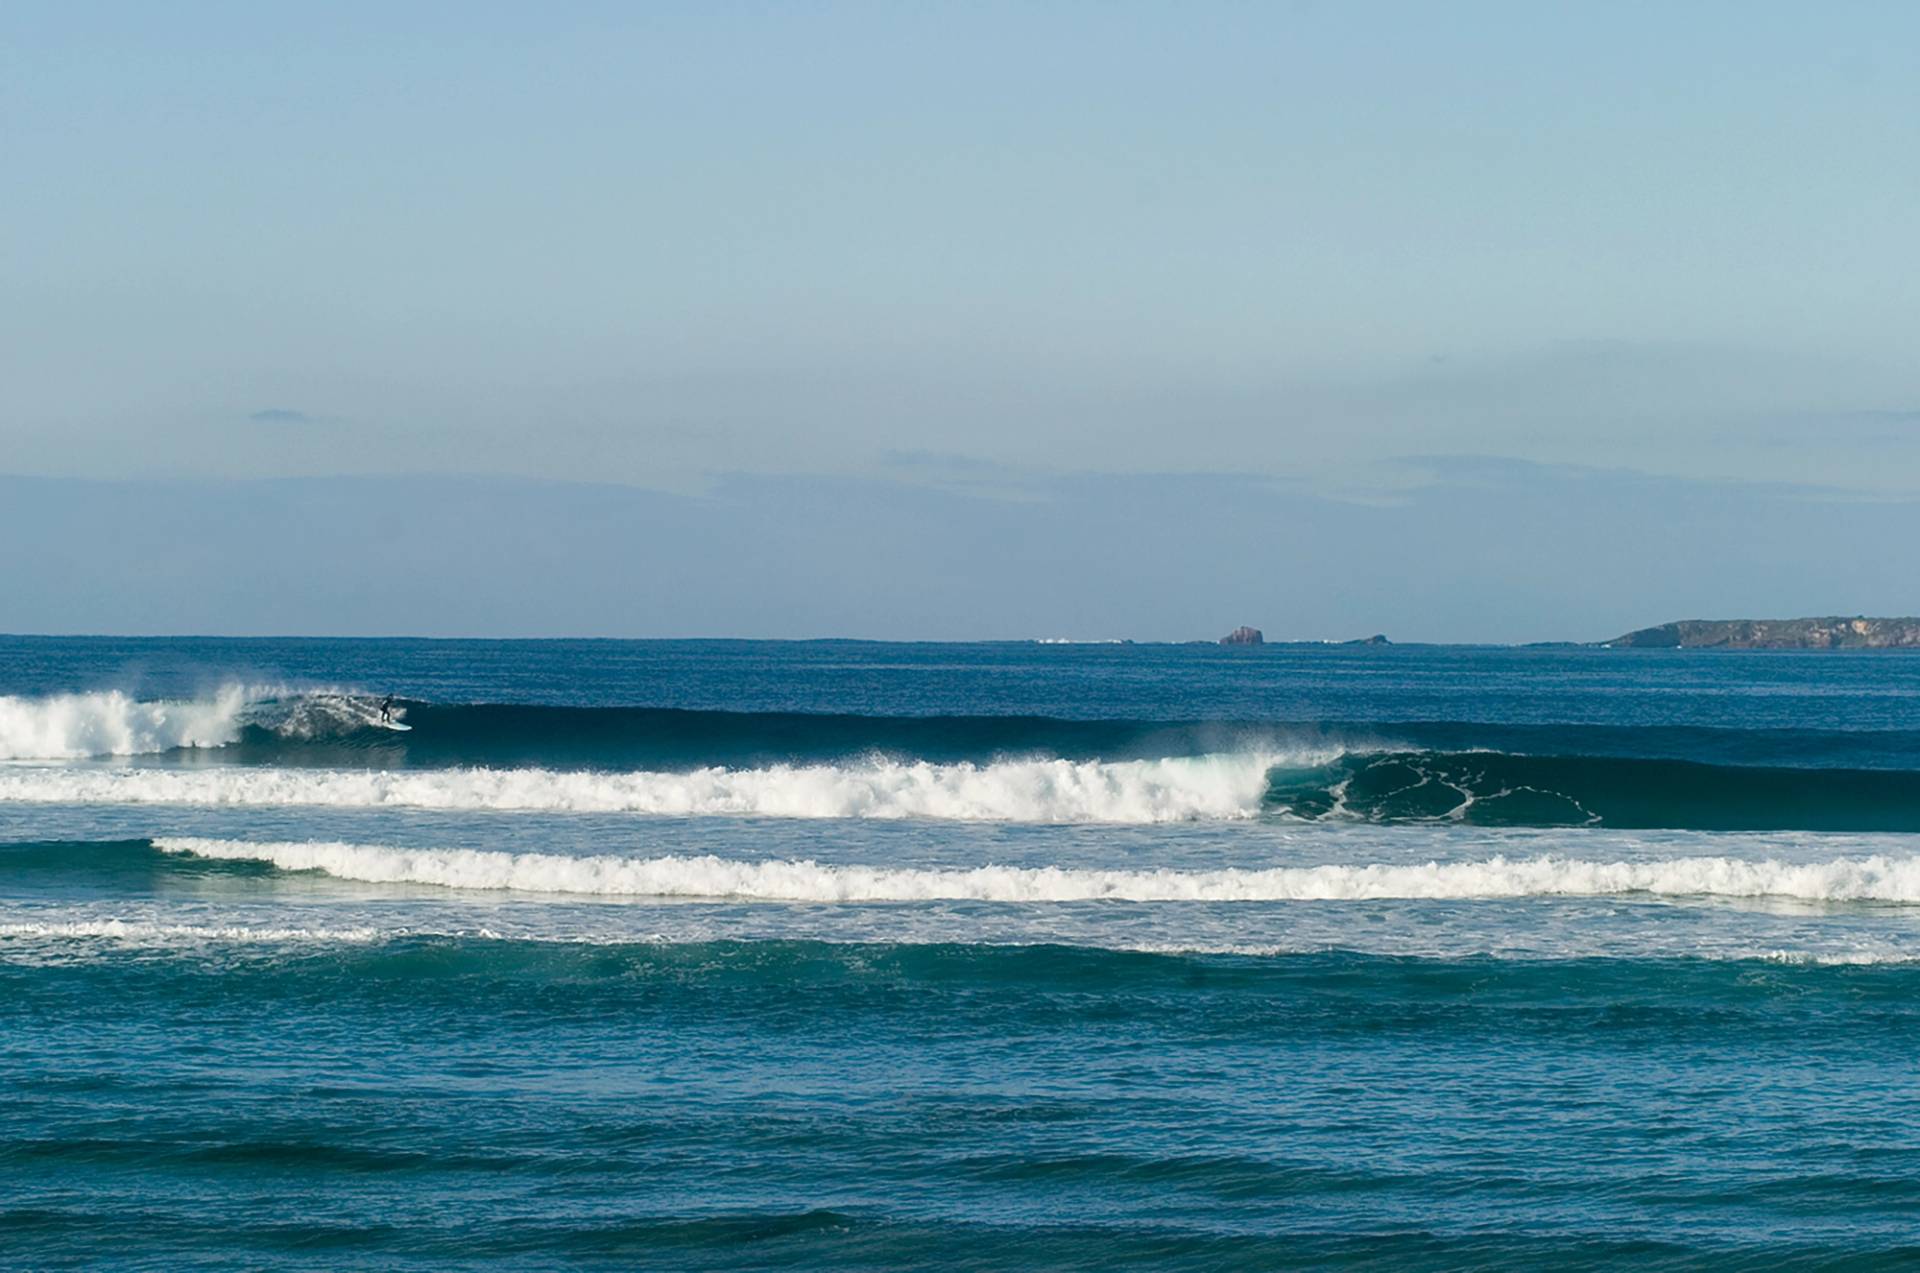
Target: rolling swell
x=671, y=738
x=276, y=725
x=490, y=734
x=265, y=746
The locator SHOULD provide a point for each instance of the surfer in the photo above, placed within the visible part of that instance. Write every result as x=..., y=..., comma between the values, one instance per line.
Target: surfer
x=386, y=710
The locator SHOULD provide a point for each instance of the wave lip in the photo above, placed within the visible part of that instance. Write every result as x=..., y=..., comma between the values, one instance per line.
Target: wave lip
x=1172, y=789
x=1876, y=878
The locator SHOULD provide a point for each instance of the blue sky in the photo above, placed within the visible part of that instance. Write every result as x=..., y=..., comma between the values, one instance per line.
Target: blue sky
x=977, y=259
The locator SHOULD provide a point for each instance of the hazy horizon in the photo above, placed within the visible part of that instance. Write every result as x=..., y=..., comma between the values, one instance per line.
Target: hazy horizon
x=1146, y=559
x=1490, y=322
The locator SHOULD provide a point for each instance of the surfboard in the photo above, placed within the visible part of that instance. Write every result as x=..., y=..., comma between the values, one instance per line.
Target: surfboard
x=393, y=725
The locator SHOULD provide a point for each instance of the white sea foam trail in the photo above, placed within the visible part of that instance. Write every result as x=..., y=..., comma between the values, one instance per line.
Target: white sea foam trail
x=1174, y=789
x=138, y=932
x=1877, y=878
x=110, y=723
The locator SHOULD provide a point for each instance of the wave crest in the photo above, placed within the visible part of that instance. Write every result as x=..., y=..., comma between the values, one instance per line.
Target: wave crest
x=1046, y=791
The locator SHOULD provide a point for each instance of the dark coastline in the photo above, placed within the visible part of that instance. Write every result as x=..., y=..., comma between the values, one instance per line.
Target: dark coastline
x=1827, y=633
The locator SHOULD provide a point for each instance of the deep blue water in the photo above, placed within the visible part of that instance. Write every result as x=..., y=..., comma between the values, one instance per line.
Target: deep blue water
x=848, y=955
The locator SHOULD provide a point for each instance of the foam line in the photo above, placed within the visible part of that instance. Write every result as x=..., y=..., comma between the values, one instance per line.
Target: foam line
x=1877, y=878
x=143, y=933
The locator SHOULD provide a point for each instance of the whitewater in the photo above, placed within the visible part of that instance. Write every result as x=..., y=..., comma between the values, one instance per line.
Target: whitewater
x=1874, y=878
x=1036, y=789
x=112, y=723
x=1173, y=789
x=79, y=726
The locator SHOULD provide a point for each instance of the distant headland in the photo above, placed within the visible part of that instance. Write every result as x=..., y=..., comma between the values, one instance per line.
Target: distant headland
x=1831, y=633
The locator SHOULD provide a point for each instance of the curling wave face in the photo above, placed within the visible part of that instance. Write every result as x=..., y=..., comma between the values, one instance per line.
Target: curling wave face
x=1872, y=878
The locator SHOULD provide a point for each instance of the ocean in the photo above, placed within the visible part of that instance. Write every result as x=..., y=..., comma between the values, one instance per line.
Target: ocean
x=845, y=955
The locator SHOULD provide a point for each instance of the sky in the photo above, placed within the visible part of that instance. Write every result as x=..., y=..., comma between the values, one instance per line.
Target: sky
x=1471, y=321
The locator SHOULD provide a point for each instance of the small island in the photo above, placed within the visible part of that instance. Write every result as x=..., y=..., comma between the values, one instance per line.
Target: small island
x=1832, y=633
x=1254, y=636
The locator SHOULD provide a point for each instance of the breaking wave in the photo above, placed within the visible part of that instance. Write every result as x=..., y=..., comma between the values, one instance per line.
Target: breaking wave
x=256, y=723
x=1473, y=788
x=1876, y=878
x=1047, y=791
x=75, y=726
x=113, y=723
x=262, y=745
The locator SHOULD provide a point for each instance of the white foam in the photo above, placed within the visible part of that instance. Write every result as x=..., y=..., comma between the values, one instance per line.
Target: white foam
x=1047, y=791
x=1832, y=958
x=1878, y=878
x=110, y=723
x=142, y=933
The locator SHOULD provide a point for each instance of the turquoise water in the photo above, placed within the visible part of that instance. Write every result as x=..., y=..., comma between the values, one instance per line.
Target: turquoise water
x=731, y=955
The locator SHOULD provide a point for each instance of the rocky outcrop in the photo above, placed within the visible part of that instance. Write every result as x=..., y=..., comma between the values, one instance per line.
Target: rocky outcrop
x=1244, y=636
x=1776, y=634
x=1377, y=638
